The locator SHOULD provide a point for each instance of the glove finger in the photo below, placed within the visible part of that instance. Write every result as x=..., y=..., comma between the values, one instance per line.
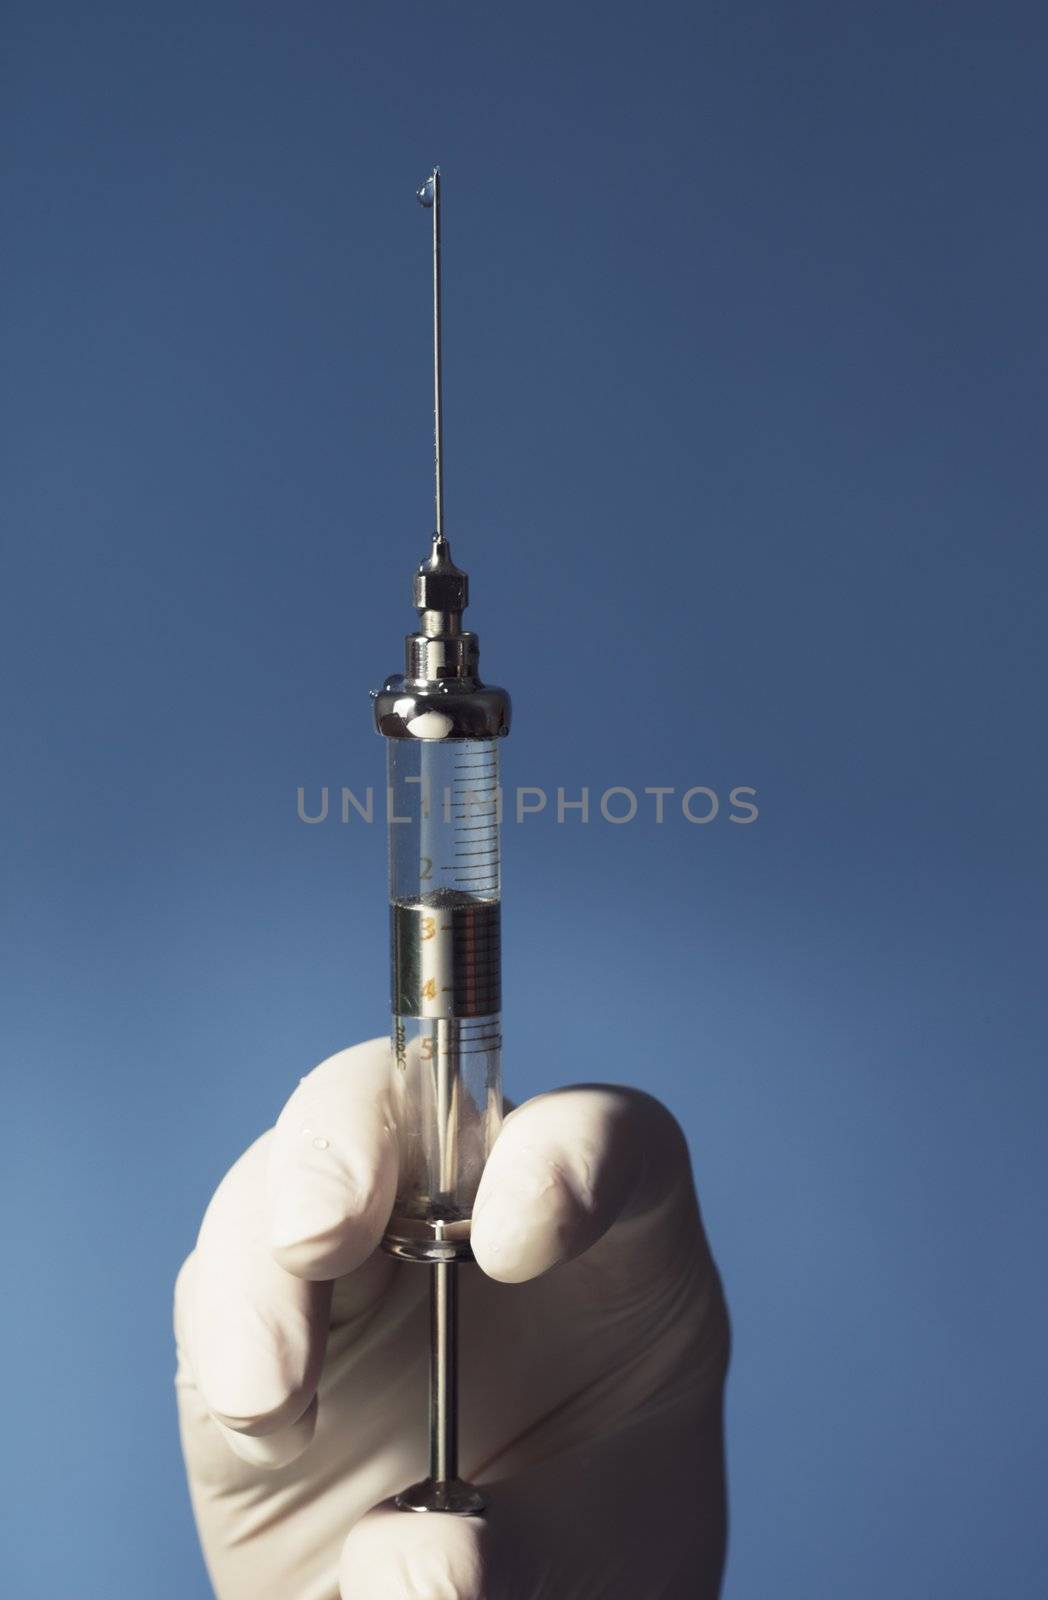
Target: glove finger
x=255, y=1335
x=273, y=1450
x=402, y=1555
x=312, y=1196
x=333, y=1165
x=566, y=1166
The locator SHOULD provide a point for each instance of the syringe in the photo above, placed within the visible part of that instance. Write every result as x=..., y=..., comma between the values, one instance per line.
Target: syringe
x=443, y=726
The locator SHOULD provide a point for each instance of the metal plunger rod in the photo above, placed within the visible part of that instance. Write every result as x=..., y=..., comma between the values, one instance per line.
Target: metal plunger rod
x=443, y=1373
x=443, y=1295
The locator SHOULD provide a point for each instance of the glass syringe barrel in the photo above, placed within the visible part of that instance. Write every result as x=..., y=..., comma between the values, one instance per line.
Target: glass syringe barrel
x=443, y=727
x=443, y=806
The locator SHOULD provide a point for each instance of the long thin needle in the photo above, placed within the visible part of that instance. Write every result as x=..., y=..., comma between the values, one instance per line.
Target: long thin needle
x=429, y=195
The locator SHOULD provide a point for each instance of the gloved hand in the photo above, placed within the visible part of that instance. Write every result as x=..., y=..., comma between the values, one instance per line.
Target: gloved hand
x=593, y=1348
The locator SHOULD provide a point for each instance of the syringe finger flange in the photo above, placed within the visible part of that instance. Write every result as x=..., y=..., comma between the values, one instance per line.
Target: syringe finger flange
x=417, y=1239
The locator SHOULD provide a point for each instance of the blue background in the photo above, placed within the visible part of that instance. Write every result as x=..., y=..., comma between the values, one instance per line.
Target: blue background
x=745, y=388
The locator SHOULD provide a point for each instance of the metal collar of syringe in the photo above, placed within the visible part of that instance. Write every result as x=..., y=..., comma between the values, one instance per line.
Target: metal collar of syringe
x=440, y=695
x=446, y=710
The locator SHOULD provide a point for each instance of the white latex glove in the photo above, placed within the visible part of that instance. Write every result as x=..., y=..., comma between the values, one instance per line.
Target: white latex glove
x=593, y=1348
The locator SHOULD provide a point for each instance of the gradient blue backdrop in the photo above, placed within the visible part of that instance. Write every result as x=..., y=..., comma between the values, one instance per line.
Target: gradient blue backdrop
x=745, y=386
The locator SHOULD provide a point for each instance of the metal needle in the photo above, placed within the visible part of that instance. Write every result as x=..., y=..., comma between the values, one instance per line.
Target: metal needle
x=429, y=196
